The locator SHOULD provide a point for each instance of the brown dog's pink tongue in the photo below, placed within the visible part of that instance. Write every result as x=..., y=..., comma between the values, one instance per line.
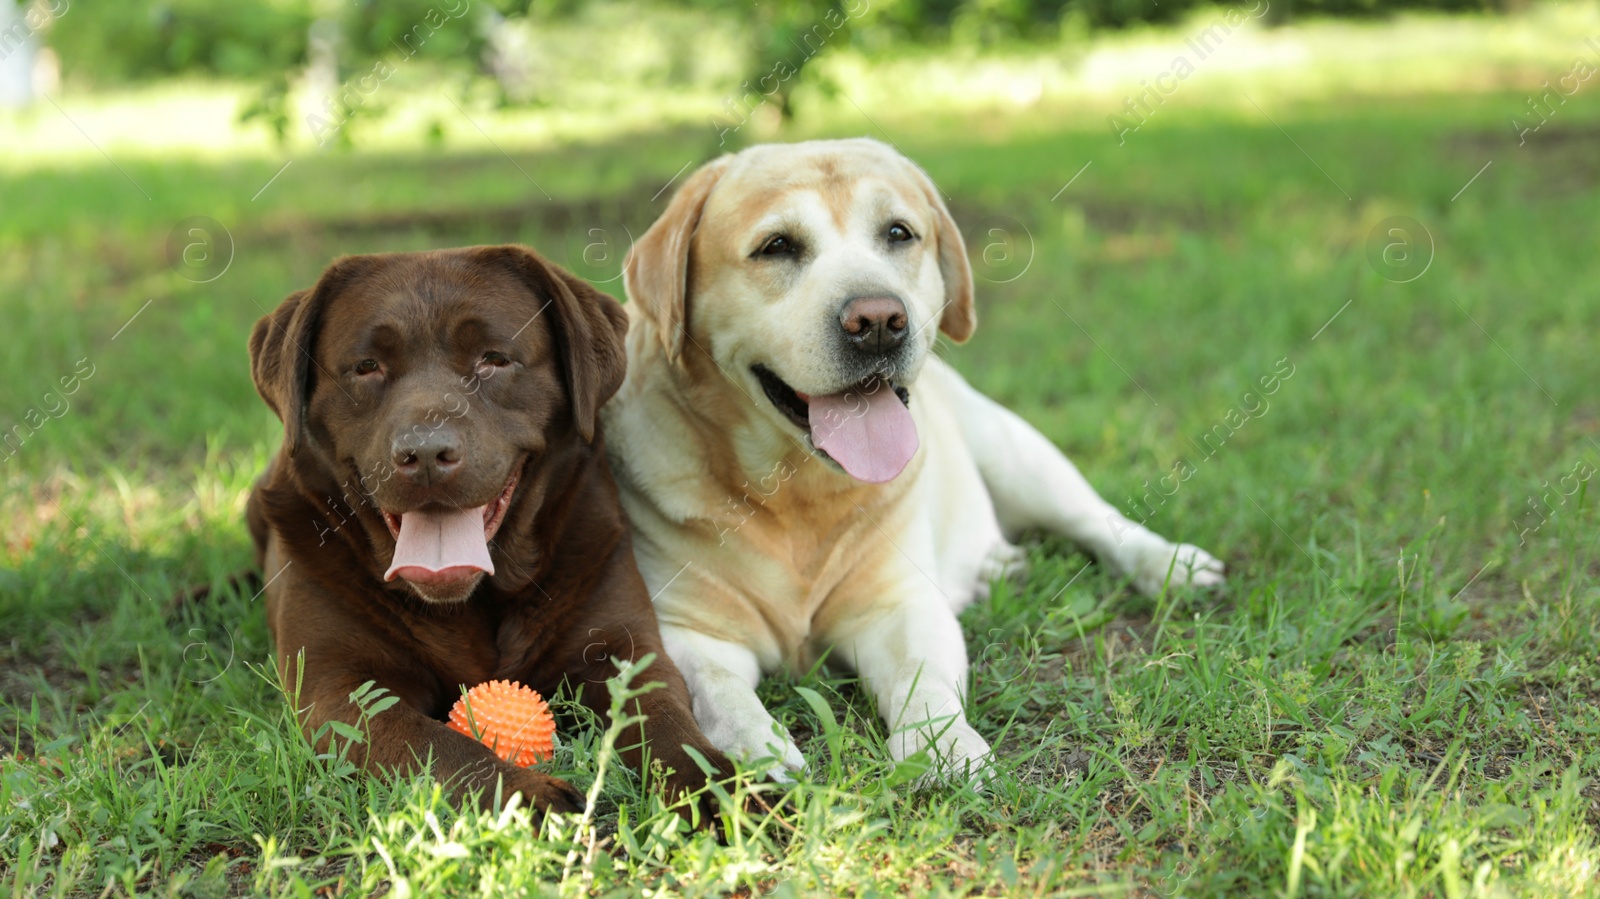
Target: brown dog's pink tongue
x=868, y=431
x=434, y=547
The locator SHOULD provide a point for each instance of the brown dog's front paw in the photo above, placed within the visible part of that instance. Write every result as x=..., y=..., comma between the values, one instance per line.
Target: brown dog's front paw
x=547, y=794
x=683, y=774
x=687, y=779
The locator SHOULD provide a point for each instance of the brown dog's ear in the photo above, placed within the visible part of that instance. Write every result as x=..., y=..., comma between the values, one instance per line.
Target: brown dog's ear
x=959, y=317
x=279, y=376
x=656, y=273
x=590, y=327
x=281, y=344
x=593, y=330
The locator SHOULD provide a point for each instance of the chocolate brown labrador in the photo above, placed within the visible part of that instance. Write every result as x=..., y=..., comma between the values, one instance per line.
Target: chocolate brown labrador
x=441, y=512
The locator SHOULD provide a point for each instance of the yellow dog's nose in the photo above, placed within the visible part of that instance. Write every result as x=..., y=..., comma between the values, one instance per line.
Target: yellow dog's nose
x=874, y=324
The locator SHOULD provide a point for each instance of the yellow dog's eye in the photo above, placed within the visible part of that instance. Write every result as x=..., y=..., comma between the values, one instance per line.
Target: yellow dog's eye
x=779, y=245
x=899, y=233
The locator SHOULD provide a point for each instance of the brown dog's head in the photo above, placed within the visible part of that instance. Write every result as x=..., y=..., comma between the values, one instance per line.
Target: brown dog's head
x=420, y=386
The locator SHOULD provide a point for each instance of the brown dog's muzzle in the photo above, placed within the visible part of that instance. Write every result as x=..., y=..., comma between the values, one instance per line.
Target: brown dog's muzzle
x=428, y=460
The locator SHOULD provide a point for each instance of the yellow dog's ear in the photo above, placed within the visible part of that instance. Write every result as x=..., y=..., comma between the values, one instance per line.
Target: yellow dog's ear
x=656, y=274
x=959, y=317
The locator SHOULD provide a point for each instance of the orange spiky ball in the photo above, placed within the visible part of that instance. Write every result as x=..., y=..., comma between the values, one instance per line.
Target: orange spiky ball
x=509, y=718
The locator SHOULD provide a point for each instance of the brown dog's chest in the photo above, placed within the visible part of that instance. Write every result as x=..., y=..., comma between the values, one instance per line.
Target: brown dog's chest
x=461, y=646
x=484, y=640
x=430, y=653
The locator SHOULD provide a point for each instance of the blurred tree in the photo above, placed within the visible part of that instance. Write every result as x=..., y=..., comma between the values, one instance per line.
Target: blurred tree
x=134, y=39
x=329, y=52
x=786, y=36
x=17, y=46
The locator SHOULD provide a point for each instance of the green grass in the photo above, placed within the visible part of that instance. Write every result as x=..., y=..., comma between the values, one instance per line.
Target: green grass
x=1396, y=696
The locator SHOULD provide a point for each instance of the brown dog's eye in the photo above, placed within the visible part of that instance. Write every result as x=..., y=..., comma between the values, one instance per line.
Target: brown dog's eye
x=367, y=367
x=780, y=245
x=495, y=359
x=899, y=233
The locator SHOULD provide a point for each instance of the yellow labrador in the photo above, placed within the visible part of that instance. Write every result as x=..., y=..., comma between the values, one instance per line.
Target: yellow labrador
x=803, y=475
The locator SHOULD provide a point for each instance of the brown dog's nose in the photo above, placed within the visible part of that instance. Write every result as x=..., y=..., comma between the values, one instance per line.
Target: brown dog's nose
x=428, y=455
x=874, y=324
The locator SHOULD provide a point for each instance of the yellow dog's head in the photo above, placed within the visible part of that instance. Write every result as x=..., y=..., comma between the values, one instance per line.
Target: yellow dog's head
x=817, y=276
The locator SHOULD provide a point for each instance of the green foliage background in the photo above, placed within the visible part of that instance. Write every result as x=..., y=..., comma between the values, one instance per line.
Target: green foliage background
x=142, y=39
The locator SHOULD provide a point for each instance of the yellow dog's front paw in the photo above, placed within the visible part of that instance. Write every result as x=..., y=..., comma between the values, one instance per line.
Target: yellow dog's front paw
x=1186, y=564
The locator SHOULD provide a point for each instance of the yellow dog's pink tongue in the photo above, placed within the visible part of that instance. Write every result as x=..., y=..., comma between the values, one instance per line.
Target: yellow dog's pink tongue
x=868, y=431
x=437, y=547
